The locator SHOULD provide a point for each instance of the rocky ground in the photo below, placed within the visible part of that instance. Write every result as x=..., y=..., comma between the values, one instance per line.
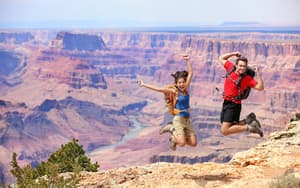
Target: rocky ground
x=257, y=167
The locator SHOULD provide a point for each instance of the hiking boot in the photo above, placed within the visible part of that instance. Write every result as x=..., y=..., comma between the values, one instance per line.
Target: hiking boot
x=254, y=124
x=173, y=143
x=167, y=128
x=254, y=127
x=250, y=117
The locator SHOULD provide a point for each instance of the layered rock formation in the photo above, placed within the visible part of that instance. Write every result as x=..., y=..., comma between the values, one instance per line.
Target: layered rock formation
x=56, y=118
x=35, y=133
x=97, y=72
x=13, y=67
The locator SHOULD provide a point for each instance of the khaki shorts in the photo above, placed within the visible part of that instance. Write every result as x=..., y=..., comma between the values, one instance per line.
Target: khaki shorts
x=183, y=126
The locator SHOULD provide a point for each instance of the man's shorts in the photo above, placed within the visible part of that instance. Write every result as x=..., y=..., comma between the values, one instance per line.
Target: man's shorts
x=230, y=112
x=183, y=126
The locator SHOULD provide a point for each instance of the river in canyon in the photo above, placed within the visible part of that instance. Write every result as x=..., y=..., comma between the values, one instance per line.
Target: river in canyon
x=137, y=128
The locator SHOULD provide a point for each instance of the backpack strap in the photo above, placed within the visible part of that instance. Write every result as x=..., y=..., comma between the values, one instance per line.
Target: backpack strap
x=230, y=71
x=241, y=94
x=228, y=75
x=175, y=97
x=236, y=82
x=171, y=100
x=238, y=85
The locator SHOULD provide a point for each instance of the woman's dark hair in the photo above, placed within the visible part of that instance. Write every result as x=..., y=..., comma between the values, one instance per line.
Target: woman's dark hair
x=242, y=58
x=180, y=74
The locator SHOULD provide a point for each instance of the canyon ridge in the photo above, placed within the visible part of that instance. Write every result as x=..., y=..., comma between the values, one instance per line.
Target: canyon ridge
x=59, y=85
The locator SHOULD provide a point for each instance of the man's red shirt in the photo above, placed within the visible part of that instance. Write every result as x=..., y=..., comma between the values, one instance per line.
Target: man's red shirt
x=230, y=88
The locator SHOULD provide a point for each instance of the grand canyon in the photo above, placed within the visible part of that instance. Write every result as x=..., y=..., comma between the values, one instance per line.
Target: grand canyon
x=59, y=85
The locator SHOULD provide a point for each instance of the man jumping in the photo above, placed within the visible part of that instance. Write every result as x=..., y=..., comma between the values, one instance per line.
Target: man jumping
x=232, y=106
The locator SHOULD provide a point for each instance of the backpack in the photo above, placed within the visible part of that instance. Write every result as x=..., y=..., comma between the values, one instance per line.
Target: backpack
x=171, y=100
x=242, y=94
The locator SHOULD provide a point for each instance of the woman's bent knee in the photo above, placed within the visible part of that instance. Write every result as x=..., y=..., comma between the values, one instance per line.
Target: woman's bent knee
x=193, y=144
x=180, y=141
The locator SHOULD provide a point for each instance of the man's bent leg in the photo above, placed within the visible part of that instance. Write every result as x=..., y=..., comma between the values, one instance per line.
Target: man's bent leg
x=227, y=128
x=241, y=122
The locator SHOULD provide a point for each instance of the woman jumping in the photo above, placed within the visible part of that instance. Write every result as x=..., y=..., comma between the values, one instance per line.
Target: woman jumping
x=181, y=130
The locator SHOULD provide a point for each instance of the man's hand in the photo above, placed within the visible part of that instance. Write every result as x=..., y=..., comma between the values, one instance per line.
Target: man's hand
x=256, y=70
x=260, y=83
x=224, y=57
x=237, y=54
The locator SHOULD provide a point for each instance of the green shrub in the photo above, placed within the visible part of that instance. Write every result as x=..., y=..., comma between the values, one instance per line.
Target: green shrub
x=69, y=158
x=71, y=154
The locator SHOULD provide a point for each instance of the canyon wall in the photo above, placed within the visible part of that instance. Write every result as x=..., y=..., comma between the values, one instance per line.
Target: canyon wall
x=83, y=85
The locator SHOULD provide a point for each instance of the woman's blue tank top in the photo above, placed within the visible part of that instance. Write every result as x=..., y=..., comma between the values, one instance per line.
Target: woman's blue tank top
x=183, y=105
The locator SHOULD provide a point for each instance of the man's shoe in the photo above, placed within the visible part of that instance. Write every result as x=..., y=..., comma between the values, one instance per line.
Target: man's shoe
x=172, y=143
x=254, y=127
x=254, y=124
x=167, y=128
x=252, y=117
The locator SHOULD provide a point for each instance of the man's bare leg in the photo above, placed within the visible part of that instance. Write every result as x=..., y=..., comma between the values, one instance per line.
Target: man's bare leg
x=241, y=122
x=227, y=128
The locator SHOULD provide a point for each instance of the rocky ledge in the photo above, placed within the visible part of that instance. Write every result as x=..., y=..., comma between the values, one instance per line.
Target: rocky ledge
x=257, y=167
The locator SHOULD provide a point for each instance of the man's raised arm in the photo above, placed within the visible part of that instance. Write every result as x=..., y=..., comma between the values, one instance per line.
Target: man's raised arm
x=224, y=57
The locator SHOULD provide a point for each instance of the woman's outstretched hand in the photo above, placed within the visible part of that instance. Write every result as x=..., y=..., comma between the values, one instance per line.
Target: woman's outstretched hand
x=186, y=57
x=141, y=83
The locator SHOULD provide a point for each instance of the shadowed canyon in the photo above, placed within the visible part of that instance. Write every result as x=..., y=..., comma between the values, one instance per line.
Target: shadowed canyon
x=59, y=85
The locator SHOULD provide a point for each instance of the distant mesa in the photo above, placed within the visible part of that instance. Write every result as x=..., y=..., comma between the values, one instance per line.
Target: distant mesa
x=242, y=24
x=71, y=41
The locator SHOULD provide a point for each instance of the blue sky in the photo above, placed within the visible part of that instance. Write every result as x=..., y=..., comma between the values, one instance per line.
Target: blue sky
x=141, y=13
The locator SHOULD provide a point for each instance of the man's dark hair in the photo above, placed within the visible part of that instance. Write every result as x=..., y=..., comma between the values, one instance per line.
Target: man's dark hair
x=242, y=58
x=180, y=74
